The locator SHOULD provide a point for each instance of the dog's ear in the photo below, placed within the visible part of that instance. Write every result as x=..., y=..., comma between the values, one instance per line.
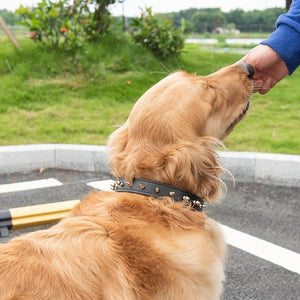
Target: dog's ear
x=195, y=166
x=117, y=143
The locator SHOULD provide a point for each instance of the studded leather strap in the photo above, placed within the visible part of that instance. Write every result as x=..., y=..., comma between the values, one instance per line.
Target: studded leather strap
x=155, y=189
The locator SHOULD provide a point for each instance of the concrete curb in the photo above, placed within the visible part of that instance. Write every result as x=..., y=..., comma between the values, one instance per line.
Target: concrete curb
x=61, y=156
x=277, y=169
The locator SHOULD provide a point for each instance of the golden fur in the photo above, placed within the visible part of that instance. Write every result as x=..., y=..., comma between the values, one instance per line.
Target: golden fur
x=126, y=246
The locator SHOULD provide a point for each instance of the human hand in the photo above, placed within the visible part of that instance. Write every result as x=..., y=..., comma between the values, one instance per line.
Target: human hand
x=268, y=65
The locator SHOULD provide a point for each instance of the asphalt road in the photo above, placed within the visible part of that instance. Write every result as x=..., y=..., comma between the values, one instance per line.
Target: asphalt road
x=271, y=213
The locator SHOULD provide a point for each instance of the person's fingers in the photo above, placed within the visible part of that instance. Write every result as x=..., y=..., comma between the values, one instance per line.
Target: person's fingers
x=263, y=91
x=267, y=85
x=257, y=85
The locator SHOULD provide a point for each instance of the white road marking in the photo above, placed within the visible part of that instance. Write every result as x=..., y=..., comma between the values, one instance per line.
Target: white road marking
x=103, y=185
x=29, y=185
x=275, y=254
x=270, y=252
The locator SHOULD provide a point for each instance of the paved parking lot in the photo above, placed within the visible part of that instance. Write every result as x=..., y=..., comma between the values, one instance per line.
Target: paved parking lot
x=269, y=213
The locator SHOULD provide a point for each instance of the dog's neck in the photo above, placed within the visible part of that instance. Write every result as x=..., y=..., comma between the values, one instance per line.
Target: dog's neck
x=189, y=165
x=156, y=189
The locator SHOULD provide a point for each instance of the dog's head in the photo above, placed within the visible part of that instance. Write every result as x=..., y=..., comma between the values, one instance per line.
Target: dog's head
x=173, y=129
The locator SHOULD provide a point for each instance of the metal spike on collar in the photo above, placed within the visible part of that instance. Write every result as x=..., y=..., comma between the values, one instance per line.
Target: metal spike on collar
x=128, y=183
x=142, y=186
x=198, y=203
x=119, y=183
x=113, y=186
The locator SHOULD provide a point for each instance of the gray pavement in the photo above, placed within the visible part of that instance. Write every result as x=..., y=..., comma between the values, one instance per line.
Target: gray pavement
x=264, y=211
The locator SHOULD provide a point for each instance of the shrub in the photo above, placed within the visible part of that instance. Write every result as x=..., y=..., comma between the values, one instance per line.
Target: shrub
x=67, y=24
x=57, y=24
x=157, y=34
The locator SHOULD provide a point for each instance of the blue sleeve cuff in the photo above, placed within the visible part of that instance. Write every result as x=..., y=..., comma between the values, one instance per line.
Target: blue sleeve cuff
x=286, y=42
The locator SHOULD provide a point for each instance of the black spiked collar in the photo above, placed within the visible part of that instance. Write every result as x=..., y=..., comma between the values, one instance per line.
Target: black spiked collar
x=155, y=189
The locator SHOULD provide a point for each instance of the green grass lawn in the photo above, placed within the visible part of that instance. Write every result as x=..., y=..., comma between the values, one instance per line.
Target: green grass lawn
x=57, y=98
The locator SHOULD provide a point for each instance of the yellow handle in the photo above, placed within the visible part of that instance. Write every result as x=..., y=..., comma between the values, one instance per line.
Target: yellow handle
x=40, y=214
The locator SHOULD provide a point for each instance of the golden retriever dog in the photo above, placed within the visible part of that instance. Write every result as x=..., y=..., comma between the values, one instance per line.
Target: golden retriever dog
x=126, y=245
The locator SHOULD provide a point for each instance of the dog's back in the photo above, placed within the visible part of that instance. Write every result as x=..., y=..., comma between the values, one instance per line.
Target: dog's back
x=116, y=247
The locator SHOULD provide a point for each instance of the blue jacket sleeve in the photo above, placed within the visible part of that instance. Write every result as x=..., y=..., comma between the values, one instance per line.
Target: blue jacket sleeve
x=285, y=40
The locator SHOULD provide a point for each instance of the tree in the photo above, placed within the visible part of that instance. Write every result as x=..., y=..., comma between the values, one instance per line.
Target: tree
x=101, y=17
x=205, y=20
x=256, y=20
x=176, y=17
x=235, y=16
x=9, y=17
x=288, y=4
